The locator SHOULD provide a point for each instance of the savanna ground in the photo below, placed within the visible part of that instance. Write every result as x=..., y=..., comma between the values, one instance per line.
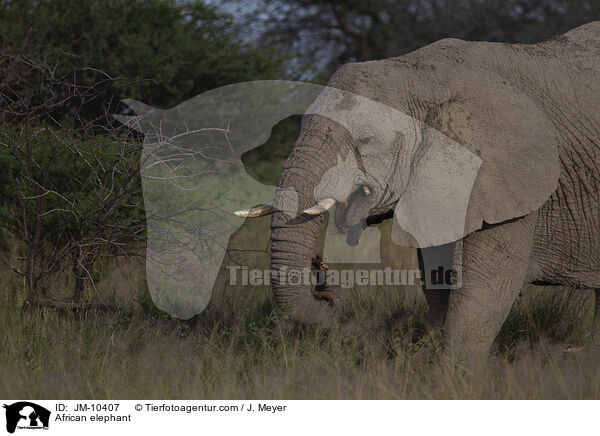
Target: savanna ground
x=242, y=346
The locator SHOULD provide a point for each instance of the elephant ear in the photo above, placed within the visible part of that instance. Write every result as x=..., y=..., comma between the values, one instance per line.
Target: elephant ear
x=433, y=207
x=484, y=120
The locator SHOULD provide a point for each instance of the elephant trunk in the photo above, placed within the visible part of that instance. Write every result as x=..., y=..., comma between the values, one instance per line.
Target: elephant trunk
x=293, y=239
x=292, y=249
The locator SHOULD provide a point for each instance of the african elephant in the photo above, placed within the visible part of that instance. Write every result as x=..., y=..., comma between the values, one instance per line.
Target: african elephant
x=527, y=118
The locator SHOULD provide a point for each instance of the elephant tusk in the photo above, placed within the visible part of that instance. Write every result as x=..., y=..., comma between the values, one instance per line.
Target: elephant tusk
x=320, y=207
x=255, y=211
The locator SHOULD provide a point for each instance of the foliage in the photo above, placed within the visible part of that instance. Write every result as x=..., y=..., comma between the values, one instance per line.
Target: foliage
x=165, y=51
x=324, y=34
x=71, y=190
x=72, y=176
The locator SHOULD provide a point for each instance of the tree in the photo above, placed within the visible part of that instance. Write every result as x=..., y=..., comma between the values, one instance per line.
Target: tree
x=69, y=173
x=165, y=51
x=69, y=184
x=324, y=34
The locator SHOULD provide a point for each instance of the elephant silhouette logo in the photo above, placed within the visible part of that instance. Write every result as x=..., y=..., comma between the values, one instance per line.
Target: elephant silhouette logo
x=195, y=183
x=26, y=415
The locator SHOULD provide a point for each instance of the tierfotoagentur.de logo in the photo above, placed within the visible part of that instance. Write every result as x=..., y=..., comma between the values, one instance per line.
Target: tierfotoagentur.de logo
x=26, y=415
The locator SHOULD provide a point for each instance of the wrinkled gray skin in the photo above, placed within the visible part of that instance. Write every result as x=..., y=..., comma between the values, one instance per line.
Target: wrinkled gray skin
x=531, y=113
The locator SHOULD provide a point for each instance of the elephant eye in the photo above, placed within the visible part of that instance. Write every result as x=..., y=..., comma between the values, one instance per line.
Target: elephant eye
x=366, y=139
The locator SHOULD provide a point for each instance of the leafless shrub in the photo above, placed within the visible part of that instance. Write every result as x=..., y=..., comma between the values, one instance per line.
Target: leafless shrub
x=69, y=171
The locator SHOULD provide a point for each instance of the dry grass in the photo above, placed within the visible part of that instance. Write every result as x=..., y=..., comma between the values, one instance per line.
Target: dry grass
x=242, y=347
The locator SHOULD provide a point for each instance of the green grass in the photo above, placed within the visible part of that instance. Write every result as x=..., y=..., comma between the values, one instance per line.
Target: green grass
x=243, y=347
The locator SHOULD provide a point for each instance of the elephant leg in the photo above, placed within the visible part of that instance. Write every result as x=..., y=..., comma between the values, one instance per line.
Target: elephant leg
x=596, y=328
x=593, y=339
x=494, y=267
x=434, y=263
x=437, y=304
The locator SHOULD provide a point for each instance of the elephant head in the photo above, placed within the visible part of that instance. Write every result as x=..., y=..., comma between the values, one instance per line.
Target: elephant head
x=447, y=147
